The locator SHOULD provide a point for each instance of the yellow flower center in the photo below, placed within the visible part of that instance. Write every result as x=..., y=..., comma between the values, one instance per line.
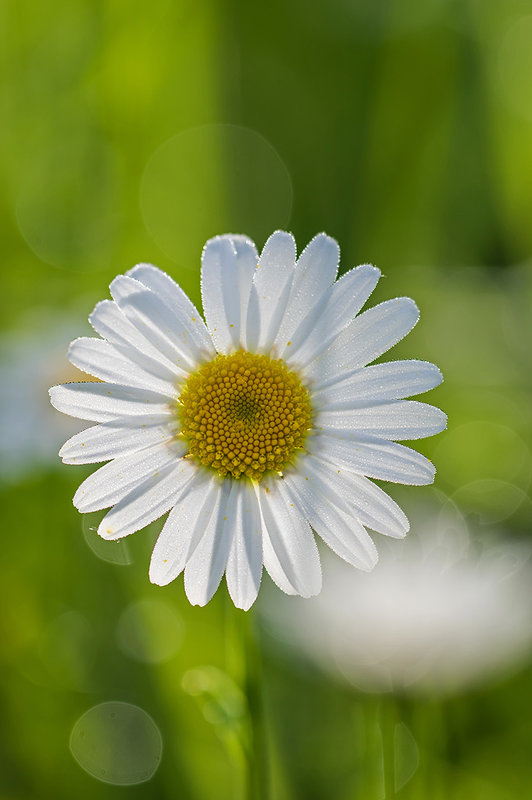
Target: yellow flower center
x=244, y=414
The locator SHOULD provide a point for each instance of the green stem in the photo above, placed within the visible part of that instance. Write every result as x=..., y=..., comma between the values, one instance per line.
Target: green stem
x=432, y=734
x=387, y=725
x=378, y=762
x=258, y=750
x=244, y=664
x=369, y=748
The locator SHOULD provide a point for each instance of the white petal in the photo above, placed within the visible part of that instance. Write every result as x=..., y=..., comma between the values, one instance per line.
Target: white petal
x=244, y=565
x=376, y=509
x=99, y=358
x=183, y=529
x=365, y=339
x=315, y=272
x=111, y=440
x=147, y=502
x=152, y=317
x=316, y=480
x=355, y=494
x=376, y=458
x=325, y=321
x=228, y=264
x=403, y=419
x=112, y=482
x=377, y=384
x=109, y=322
x=289, y=549
x=184, y=311
x=340, y=530
x=373, y=507
x=207, y=564
x=104, y=402
x=270, y=291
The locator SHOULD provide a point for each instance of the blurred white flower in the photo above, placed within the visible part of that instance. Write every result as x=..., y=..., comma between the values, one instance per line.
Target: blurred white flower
x=437, y=614
x=32, y=357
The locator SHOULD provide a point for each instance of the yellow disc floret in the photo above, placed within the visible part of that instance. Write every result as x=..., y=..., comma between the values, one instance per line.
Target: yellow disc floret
x=244, y=415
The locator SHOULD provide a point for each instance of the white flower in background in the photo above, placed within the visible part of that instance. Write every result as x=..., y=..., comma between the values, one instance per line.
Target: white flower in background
x=255, y=426
x=31, y=358
x=439, y=613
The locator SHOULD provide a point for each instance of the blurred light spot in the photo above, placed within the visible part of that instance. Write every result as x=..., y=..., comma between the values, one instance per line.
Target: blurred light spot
x=493, y=500
x=117, y=743
x=449, y=540
x=126, y=78
x=210, y=180
x=117, y=552
x=473, y=351
x=222, y=702
x=482, y=450
x=65, y=649
x=67, y=204
x=441, y=611
x=150, y=631
x=60, y=654
x=33, y=358
x=515, y=67
x=515, y=318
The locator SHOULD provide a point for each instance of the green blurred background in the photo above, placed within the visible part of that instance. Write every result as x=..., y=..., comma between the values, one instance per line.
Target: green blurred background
x=133, y=132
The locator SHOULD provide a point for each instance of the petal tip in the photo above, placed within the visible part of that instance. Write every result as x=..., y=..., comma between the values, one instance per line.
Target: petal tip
x=140, y=266
x=222, y=242
x=442, y=423
x=78, y=501
x=63, y=451
x=156, y=579
x=371, y=269
x=311, y=592
x=368, y=566
x=54, y=395
x=196, y=596
x=243, y=605
x=106, y=531
x=280, y=244
x=401, y=533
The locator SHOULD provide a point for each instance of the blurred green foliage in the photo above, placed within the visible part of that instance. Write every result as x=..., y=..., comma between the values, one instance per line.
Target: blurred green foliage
x=134, y=131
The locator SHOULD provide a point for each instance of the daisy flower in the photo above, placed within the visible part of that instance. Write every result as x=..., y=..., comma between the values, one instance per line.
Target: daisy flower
x=256, y=427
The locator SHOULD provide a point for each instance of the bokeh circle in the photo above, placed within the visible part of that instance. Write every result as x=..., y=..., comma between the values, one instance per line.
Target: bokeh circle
x=115, y=552
x=117, y=743
x=209, y=180
x=150, y=631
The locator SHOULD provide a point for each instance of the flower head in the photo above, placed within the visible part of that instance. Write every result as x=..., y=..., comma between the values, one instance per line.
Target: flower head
x=253, y=427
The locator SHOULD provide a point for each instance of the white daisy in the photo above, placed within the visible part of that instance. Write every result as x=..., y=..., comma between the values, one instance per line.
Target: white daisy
x=255, y=427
